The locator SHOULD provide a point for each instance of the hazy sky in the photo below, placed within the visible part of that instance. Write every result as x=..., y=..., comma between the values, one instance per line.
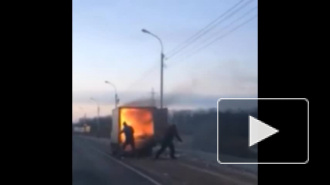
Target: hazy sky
x=108, y=45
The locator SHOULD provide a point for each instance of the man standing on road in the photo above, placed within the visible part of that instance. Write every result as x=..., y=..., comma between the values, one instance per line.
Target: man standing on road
x=129, y=136
x=167, y=141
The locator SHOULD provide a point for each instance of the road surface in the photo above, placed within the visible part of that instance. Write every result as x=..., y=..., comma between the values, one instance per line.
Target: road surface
x=92, y=167
x=93, y=164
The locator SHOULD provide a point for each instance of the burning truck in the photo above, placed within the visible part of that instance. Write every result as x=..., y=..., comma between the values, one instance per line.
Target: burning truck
x=149, y=124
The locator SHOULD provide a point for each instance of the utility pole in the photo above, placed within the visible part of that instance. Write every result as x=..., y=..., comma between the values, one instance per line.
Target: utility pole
x=98, y=121
x=153, y=97
x=98, y=117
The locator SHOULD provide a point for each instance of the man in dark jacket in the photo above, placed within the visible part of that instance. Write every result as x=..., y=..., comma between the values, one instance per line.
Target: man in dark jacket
x=129, y=136
x=167, y=141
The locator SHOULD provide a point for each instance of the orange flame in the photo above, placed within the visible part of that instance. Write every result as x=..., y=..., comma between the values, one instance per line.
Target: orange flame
x=141, y=121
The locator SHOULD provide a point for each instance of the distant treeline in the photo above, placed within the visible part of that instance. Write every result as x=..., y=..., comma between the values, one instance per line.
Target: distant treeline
x=202, y=126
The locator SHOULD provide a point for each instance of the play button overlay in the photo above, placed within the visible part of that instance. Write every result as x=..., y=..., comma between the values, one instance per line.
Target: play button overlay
x=263, y=131
x=259, y=131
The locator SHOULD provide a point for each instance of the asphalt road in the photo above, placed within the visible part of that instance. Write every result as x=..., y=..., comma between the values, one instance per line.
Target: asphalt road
x=91, y=166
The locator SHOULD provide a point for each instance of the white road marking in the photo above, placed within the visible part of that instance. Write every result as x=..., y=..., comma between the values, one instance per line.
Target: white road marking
x=128, y=167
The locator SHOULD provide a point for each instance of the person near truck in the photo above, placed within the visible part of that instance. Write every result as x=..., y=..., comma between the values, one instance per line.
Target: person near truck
x=167, y=141
x=129, y=136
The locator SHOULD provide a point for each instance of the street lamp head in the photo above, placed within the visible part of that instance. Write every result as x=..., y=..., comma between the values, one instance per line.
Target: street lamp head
x=145, y=31
x=106, y=82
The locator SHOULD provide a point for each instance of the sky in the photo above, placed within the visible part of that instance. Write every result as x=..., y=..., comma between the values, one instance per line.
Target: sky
x=108, y=44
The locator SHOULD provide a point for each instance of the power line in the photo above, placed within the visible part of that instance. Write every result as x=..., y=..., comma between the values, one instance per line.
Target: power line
x=205, y=32
x=224, y=28
x=209, y=27
x=218, y=38
x=195, y=37
x=228, y=33
x=201, y=30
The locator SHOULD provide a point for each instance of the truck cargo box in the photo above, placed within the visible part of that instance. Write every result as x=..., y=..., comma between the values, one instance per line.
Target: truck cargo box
x=149, y=124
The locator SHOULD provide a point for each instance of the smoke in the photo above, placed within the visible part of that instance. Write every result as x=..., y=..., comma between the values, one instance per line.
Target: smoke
x=206, y=85
x=180, y=91
x=177, y=93
x=140, y=103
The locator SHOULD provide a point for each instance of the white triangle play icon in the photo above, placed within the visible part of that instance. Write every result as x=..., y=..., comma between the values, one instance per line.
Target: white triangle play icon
x=259, y=131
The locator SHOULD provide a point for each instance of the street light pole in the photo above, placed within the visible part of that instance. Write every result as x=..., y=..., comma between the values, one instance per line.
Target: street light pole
x=83, y=110
x=116, y=95
x=84, y=113
x=161, y=64
x=98, y=117
x=161, y=78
